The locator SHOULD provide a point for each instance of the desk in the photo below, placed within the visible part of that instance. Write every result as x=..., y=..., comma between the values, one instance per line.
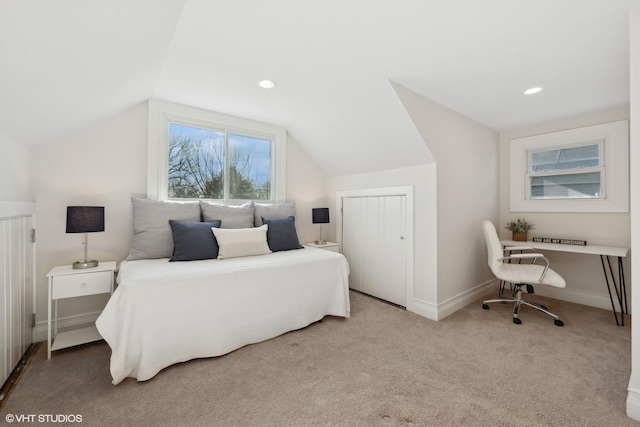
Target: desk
x=605, y=252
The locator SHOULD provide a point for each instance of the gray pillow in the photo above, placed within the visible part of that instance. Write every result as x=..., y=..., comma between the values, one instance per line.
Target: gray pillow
x=193, y=240
x=231, y=216
x=273, y=210
x=281, y=234
x=152, y=237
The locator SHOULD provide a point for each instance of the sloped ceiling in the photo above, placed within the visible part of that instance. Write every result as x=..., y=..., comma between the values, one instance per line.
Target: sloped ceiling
x=70, y=63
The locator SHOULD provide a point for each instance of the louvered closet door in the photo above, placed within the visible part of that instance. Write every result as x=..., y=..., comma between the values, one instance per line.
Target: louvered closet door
x=4, y=303
x=16, y=291
x=374, y=243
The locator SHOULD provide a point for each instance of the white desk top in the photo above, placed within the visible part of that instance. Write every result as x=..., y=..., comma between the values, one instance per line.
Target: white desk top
x=589, y=249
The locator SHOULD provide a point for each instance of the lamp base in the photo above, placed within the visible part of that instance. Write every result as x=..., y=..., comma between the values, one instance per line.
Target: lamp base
x=85, y=264
x=321, y=242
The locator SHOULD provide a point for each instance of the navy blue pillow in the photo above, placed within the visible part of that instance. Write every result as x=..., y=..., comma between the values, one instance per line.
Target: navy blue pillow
x=281, y=234
x=194, y=240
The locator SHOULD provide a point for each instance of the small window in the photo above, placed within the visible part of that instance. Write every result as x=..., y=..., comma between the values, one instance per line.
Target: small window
x=200, y=154
x=577, y=170
x=567, y=173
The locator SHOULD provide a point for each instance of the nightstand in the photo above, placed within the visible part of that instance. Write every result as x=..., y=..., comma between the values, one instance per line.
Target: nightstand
x=329, y=246
x=66, y=282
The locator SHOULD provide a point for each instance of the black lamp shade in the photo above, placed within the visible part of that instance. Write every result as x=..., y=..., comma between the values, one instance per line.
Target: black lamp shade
x=320, y=215
x=85, y=219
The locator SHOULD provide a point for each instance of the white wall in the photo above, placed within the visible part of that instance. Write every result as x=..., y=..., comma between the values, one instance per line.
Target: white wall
x=15, y=171
x=306, y=186
x=584, y=276
x=105, y=166
x=102, y=166
x=466, y=156
x=633, y=399
x=452, y=198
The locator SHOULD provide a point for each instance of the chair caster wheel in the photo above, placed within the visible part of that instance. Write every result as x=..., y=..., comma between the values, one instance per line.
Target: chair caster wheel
x=558, y=322
x=485, y=306
x=517, y=321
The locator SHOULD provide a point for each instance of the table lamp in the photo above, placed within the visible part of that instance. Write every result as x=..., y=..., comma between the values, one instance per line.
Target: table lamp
x=320, y=216
x=85, y=219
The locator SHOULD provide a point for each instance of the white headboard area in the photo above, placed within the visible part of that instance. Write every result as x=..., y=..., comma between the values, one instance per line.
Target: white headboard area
x=17, y=284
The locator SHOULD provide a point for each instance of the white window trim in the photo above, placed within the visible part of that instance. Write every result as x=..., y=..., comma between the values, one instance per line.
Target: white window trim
x=616, y=169
x=163, y=112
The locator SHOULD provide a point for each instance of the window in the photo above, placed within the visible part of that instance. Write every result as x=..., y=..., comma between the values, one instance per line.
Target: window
x=198, y=154
x=578, y=170
x=216, y=164
x=567, y=173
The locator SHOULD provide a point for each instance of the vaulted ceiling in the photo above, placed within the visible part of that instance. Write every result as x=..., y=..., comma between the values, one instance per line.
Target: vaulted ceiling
x=68, y=64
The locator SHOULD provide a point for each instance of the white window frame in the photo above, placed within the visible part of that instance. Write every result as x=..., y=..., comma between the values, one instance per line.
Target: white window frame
x=615, y=169
x=161, y=113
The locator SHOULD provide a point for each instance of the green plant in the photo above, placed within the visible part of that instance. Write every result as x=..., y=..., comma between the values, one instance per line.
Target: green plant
x=519, y=225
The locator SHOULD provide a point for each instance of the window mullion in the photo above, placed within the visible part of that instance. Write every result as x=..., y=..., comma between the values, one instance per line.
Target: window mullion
x=227, y=175
x=566, y=172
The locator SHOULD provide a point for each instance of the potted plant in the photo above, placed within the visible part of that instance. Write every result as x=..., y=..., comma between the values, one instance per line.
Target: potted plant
x=519, y=229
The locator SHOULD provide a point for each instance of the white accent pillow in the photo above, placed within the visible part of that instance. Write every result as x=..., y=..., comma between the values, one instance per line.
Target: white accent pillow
x=237, y=242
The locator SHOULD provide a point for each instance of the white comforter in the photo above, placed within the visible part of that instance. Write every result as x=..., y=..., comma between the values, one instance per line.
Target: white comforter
x=168, y=312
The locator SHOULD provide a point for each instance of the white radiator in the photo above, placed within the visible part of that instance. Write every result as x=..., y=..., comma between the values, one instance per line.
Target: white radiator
x=17, y=294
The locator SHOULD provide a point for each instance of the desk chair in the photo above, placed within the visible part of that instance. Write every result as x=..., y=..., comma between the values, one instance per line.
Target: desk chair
x=519, y=274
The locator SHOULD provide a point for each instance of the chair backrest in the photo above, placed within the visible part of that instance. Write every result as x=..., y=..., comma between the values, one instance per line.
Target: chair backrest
x=494, y=247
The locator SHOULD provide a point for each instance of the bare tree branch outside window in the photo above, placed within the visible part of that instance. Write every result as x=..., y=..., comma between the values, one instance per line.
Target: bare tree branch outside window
x=197, y=164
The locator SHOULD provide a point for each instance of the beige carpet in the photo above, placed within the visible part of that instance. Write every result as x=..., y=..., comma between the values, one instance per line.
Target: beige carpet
x=382, y=367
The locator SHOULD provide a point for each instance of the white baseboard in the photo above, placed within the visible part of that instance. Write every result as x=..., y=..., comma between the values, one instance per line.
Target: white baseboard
x=450, y=306
x=453, y=304
x=580, y=297
x=424, y=309
x=65, y=323
x=633, y=405
x=446, y=308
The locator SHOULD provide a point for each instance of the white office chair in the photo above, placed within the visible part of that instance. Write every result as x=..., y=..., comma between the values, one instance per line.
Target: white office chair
x=518, y=274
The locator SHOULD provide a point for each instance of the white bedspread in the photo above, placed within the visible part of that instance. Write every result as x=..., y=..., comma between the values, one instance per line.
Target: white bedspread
x=164, y=312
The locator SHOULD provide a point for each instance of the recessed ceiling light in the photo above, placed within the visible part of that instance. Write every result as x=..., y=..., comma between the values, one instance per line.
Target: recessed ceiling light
x=267, y=84
x=532, y=90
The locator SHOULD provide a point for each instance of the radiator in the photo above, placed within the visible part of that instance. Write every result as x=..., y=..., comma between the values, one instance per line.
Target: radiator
x=17, y=291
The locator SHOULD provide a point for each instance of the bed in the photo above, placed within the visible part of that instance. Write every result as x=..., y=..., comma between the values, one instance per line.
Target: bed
x=164, y=312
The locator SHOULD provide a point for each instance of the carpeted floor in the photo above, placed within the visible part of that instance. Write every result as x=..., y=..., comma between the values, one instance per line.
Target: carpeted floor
x=383, y=366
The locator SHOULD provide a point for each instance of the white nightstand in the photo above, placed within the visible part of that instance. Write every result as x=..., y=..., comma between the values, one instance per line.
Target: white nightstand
x=329, y=246
x=65, y=282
